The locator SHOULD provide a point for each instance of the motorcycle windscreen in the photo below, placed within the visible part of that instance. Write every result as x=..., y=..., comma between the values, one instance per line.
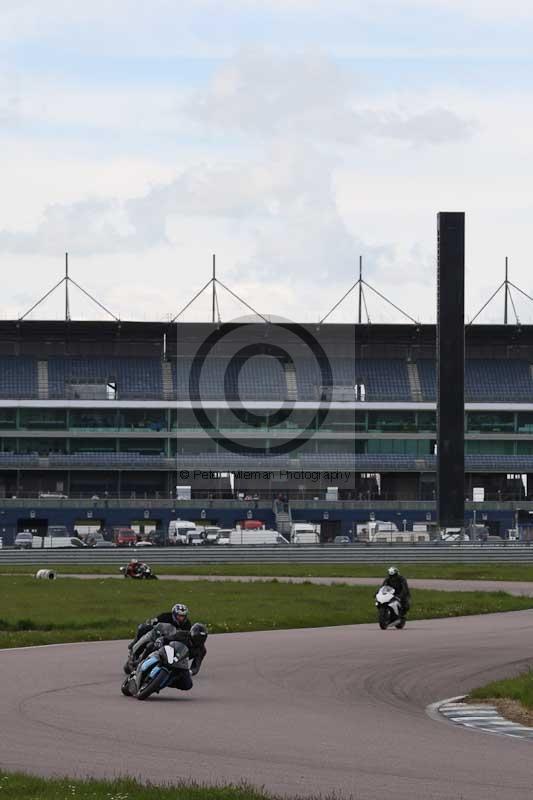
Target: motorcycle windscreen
x=385, y=594
x=181, y=655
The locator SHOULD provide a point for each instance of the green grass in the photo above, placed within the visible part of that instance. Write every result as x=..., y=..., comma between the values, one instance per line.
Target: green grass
x=519, y=689
x=494, y=571
x=68, y=610
x=16, y=786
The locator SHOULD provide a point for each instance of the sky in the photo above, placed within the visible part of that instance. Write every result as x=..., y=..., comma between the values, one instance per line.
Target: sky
x=288, y=137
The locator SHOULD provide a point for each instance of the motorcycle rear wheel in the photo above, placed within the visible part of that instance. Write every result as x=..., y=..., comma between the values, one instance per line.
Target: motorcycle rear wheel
x=152, y=686
x=401, y=624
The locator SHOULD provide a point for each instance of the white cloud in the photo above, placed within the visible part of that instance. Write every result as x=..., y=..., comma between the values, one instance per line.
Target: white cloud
x=287, y=166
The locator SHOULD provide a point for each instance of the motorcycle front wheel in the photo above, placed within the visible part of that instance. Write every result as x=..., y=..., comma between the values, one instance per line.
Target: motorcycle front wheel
x=128, y=667
x=152, y=686
x=125, y=688
x=384, y=618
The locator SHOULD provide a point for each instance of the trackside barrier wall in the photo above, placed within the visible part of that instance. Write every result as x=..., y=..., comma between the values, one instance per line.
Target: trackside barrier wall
x=295, y=554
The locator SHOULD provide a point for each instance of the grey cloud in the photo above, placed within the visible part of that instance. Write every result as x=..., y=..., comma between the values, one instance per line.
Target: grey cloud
x=285, y=204
x=86, y=227
x=314, y=99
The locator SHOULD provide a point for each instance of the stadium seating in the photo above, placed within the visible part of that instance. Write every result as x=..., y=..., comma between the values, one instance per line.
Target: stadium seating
x=383, y=379
x=134, y=377
x=18, y=377
x=506, y=380
x=259, y=378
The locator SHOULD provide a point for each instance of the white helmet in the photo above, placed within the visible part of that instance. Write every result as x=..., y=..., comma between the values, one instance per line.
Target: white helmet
x=393, y=571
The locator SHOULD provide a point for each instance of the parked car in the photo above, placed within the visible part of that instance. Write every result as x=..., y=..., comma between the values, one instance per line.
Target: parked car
x=196, y=538
x=23, y=540
x=124, y=537
x=103, y=543
x=158, y=538
x=342, y=540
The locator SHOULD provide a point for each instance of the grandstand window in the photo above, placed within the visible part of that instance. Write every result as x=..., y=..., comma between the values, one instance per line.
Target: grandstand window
x=226, y=420
x=42, y=445
x=525, y=422
x=490, y=422
x=142, y=419
x=154, y=447
x=42, y=419
x=88, y=419
x=184, y=420
x=93, y=446
x=8, y=419
x=183, y=447
x=426, y=421
x=492, y=447
x=524, y=448
x=416, y=447
x=391, y=421
x=344, y=422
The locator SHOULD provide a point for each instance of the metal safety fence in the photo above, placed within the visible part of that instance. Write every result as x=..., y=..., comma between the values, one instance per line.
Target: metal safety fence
x=465, y=553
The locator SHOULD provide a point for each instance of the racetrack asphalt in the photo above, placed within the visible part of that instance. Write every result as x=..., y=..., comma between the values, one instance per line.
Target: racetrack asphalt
x=298, y=712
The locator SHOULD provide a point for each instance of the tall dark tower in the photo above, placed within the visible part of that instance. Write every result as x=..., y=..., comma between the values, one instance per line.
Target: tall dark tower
x=450, y=369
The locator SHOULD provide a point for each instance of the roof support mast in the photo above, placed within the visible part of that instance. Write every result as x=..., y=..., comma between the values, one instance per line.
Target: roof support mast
x=214, y=289
x=67, y=304
x=506, y=290
x=67, y=280
x=360, y=287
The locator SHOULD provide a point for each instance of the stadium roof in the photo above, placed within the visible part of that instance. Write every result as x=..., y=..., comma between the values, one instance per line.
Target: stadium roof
x=59, y=337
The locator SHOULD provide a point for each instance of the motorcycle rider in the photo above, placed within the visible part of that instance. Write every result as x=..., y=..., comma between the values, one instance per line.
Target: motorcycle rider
x=400, y=586
x=195, y=640
x=135, y=568
x=177, y=616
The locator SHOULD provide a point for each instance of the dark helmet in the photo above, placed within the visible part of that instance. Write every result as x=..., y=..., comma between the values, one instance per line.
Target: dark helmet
x=393, y=571
x=180, y=612
x=198, y=634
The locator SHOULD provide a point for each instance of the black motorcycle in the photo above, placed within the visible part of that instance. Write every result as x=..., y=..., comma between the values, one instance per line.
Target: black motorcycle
x=145, y=645
x=165, y=667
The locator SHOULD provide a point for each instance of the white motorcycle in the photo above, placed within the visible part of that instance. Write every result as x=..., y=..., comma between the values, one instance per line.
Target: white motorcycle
x=389, y=608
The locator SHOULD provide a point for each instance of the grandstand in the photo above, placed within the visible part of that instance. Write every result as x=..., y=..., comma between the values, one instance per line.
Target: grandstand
x=99, y=413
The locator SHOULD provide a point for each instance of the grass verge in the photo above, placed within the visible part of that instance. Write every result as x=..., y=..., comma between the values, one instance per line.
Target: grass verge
x=45, y=612
x=519, y=688
x=16, y=786
x=513, y=697
x=495, y=572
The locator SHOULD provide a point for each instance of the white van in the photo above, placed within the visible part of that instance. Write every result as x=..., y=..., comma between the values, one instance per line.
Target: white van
x=212, y=532
x=305, y=533
x=179, y=530
x=46, y=542
x=224, y=536
x=258, y=536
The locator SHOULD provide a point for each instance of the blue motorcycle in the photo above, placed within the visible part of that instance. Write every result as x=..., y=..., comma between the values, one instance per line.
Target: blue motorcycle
x=168, y=666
